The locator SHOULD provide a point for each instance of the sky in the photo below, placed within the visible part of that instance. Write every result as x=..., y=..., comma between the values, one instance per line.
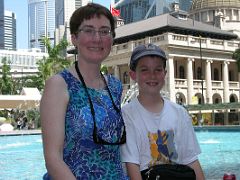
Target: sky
x=20, y=8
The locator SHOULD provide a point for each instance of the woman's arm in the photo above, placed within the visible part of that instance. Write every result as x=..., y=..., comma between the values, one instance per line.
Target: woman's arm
x=52, y=113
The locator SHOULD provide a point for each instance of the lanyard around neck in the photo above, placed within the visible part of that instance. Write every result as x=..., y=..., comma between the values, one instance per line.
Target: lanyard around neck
x=88, y=95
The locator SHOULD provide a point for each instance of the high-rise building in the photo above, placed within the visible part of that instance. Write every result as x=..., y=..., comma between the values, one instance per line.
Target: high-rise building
x=1, y=24
x=135, y=10
x=63, y=13
x=185, y=4
x=65, y=8
x=41, y=17
x=164, y=6
x=9, y=30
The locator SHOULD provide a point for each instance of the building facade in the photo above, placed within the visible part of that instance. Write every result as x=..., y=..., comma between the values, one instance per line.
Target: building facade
x=136, y=10
x=185, y=5
x=200, y=68
x=41, y=17
x=223, y=14
x=10, y=32
x=63, y=13
x=1, y=24
x=22, y=62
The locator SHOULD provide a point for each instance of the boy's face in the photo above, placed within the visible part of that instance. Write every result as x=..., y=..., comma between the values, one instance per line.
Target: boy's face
x=150, y=74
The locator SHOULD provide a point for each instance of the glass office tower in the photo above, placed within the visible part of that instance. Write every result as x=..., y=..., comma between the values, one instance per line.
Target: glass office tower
x=41, y=17
x=1, y=24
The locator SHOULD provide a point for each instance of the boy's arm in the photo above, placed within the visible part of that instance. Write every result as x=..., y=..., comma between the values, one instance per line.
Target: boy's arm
x=197, y=169
x=133, y=171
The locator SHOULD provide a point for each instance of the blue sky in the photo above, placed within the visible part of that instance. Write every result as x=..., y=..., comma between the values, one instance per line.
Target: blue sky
x=20, y=8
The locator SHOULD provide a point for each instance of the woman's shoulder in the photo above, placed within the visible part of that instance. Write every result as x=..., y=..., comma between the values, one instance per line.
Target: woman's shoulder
x=113, y=79
x=55, y=82
x=114, y=83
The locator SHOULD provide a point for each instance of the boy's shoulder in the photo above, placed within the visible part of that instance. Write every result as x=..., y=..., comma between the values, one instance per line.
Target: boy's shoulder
x=173, y=104
x=129, y=105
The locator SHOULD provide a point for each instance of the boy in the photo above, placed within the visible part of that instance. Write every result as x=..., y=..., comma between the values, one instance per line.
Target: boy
x=158, y=130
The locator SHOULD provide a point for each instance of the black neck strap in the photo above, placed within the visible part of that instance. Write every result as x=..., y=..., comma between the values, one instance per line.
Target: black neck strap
x=88, y=95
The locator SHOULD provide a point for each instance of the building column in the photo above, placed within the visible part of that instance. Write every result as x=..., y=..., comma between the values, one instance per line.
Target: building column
x=225, y=82
x=189, y=80
x=238, y=16
x=170, y=79
x=131, y=81
x=208, y=82
x=116, y=72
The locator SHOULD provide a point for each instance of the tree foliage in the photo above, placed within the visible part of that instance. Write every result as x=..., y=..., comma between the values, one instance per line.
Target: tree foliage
x=6, y=81
x=52, y=64
x=236, y=56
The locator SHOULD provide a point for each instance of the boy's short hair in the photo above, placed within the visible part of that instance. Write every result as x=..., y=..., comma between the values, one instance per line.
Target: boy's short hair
x=145, y=50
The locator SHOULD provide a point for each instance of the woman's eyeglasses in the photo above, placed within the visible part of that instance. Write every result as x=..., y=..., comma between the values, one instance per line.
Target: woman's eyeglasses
x=96, y=138
x=91, y=32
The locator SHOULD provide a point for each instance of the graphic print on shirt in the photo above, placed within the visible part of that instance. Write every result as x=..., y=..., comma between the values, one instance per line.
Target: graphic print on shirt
x=162, y=147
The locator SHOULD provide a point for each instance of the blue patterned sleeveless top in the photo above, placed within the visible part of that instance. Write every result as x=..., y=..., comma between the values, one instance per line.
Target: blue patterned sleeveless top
x=87, y=160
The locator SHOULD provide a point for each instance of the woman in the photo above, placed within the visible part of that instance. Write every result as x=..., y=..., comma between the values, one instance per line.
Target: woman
x=82, y=126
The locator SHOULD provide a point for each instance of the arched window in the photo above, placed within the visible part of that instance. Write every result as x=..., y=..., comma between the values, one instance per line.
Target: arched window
x=216, y=101
x=199, y=73
x=181, y=72
x=216, y=74
x=231, y=76
x=199, y=100
x=232, y=99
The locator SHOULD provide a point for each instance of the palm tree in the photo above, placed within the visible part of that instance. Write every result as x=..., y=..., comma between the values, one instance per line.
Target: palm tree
x=54, y=63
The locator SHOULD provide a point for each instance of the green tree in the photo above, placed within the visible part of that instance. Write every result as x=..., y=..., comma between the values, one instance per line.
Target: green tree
x=104, y=69
x=54, y=63
x=6, y=81
x=236, y=56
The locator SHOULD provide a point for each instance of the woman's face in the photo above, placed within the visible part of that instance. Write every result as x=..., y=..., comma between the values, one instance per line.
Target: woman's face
x=93, y=39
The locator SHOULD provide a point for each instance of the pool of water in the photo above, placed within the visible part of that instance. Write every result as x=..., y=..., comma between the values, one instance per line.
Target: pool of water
x=21, y=157
x=220, y=153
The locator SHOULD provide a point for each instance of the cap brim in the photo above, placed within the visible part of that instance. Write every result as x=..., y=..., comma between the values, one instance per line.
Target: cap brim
x=149, y=53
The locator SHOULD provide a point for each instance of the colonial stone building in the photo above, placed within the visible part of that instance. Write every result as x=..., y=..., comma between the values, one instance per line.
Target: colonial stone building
x=200, y=68
x=224, y=14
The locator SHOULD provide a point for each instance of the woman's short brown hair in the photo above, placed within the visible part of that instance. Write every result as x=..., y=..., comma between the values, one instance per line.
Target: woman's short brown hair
x=87, y=12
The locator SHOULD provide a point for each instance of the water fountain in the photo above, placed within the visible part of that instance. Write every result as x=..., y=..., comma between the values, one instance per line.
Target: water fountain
x=132, y=92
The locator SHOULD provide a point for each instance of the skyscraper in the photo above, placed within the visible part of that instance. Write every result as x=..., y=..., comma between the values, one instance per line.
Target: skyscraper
x=65, y=8
x=41, y=17
x=135, y=10
x=9, y=30
x=185, y=4
x=1, y=24
x=63, y=12
x=164, y=6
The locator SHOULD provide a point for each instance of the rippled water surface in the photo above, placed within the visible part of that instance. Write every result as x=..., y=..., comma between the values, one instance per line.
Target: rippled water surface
x=21, y=157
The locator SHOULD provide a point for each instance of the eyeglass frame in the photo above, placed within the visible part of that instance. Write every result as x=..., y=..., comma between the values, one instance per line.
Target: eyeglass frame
x=96, y=138
x=92, y=32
